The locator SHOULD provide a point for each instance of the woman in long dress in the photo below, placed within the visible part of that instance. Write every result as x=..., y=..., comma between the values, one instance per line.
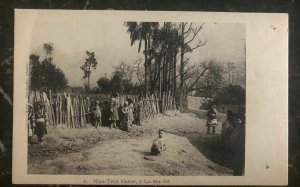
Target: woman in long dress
x=130, y=112
x=114, y=115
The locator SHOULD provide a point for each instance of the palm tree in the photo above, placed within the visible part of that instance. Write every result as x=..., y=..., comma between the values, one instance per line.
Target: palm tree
x=142, y=31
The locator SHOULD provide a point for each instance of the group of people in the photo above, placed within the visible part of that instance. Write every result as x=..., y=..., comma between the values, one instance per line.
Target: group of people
x=119, y=116
x=233, y=119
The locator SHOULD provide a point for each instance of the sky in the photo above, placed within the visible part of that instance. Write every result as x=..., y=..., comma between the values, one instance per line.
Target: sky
x=72, y=36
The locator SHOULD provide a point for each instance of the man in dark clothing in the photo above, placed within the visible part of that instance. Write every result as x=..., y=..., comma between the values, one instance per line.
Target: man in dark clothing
x=40, y=120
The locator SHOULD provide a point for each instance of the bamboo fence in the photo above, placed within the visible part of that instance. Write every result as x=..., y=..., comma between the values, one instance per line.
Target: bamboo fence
x=74, y=109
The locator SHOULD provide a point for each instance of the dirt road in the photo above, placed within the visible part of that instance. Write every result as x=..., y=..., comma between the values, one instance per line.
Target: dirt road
x=114, y=152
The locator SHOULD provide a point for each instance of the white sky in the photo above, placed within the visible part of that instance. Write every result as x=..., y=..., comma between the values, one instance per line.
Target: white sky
x=111, y=44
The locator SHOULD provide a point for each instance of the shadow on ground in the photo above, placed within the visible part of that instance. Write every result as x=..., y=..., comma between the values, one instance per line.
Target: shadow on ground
x=211, y=147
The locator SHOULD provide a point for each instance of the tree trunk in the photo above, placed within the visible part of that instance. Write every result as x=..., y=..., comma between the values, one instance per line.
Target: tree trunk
x=160, y=77
x=146, y=68
x=174, y=73
x=89, y=74
x=181, y=86
x=169, y=73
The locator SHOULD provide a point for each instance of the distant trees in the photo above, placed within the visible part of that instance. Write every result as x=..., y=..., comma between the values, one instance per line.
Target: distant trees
x=210, y=78
x=89, y=64
x=104, y=85
x=232, y=94
x=44, y=75
x=122, y=80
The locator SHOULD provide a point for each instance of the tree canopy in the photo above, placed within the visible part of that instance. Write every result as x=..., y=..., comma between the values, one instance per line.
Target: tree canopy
x=44, y=75
x=89, y=64
x=232, y=94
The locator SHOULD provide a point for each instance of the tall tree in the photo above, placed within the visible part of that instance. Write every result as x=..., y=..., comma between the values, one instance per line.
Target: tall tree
x=89, y=64
x=143, y=32
x=188, y=34
x=164, y=48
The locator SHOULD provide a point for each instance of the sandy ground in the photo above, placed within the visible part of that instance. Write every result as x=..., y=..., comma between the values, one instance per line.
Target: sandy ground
x=190, y=151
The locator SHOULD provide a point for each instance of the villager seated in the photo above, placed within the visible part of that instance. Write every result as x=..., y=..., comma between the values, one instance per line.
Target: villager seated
x=158, y=145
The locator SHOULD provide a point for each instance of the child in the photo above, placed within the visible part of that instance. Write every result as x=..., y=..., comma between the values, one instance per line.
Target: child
x=158, y=145
x=97, y=114
x=212, y=119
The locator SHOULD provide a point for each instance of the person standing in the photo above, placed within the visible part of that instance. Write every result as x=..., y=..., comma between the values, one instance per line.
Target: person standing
x=31, y=124
x=139, y=105
x=212, y=121
x=125, y=117
x=40, y=120
x=114, y=116
x=130, y=111
x=97, y=114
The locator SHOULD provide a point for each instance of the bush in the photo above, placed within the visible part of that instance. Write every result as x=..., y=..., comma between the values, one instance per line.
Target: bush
x=206, y=104
x=232, y=95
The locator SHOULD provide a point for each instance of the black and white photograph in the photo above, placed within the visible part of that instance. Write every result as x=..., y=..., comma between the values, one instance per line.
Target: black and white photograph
x=136, y=98
x=108, y=96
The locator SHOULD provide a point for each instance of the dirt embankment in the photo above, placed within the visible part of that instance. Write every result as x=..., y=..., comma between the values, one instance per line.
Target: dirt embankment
x=114, y=152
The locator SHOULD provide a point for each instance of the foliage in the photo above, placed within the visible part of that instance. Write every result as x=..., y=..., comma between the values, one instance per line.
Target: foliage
x=232, y=94
x=104, y=85
x=211, y=81
x=90, y=62
x=48, y=48
x=44, y=75
x=206, y=104
x=118, y=83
